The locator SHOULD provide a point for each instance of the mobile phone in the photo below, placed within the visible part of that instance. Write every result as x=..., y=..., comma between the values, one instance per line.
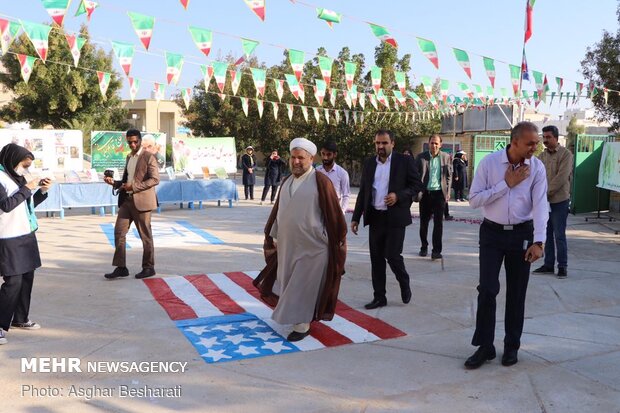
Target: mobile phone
x=42, y=182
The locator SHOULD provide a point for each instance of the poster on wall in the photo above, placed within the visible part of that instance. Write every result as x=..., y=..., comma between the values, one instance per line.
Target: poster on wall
x=197, y=155
x=109, y=149
x=609, y=169
x=53, y=150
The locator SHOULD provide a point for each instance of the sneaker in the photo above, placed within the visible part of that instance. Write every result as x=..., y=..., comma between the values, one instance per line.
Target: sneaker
x=562, y=273
x=3, y=339
x=543, y=270
x=28, y=325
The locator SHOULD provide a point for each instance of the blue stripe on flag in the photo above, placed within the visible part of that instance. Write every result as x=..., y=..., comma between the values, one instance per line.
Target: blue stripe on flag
x=204, y=234
x=108, y=230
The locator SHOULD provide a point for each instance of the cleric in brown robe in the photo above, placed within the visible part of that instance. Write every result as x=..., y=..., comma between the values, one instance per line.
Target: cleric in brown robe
x=305, y=246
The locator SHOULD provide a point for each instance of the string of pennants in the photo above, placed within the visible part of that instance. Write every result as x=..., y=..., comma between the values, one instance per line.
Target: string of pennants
x=143, y=26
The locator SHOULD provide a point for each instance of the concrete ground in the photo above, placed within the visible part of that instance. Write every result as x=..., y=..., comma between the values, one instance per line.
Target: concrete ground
x=569, y=361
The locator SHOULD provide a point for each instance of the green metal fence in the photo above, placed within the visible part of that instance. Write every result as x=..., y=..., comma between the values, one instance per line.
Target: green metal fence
x=486, y=144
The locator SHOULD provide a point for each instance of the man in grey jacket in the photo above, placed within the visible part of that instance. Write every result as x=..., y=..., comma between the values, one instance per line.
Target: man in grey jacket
x=436, y=171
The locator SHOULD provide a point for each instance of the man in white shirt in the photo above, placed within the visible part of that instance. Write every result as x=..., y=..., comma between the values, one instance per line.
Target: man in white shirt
x=335, y=173
x=511, y=187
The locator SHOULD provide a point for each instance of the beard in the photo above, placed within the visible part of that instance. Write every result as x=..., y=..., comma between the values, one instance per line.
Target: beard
x=328, y=162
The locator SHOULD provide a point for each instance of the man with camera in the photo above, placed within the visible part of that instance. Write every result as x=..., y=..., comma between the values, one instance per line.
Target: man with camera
x=136, y=200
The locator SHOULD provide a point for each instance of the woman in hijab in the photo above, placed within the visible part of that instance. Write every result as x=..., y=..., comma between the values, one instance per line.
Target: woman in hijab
x=19, y=252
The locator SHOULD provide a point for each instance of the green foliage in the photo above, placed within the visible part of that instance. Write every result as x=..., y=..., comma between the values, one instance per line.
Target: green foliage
x=572, y=130
x=59, y=95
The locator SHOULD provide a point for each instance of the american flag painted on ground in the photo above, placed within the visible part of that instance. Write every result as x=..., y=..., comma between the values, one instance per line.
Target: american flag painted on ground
x=224, y=318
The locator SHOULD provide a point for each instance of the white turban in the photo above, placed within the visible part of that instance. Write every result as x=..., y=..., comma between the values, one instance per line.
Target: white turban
x=304, y=144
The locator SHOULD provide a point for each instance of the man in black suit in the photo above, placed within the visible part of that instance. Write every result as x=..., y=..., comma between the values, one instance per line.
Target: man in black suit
x=389, y=181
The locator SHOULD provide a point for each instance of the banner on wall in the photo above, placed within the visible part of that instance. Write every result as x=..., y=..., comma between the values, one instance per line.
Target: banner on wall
x=109, y=149
x=54, y=150
x=609, y=169
x=195, y=154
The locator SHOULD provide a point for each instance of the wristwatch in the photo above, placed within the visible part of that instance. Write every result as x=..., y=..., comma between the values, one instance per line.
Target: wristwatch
x=540, y=244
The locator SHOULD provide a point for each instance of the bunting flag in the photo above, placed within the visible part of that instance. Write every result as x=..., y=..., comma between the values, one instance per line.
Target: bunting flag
x=203, y=38
x=289, y=111
x=489, y=67
x=347, y=98
x=529, y=11
x=8, y=31
x=274, y=109
x=479, y=93
x=134, y=85
x=235, y=80
x=222, y=96
x=545, y=89
x=244, y=105
x=326, y=112
x=605, y=94
x=27, y=64
x=219, y=72
x=293, y=84
x=317, y=115
x=401, y=81
x=302, y=93
x=399, y=98
x=593, y=91
x=329, y=16
x=325, y=64
x=504, y=93
x=552, y=96
x=490, y=95
x=174, y=64
x=38, y=34
x=362, y=99
x=463, y=58
x=304, y=111
x=515, y=75
x=383, y=99
x=579, y=88
x=258, y=7
x=354, y=117
x=333, y=93
x=320, y=89
x=143, y=26
x=444, y=86
x=207, y=73
x=75, y=45
x=538, y=81
x=373, y=100
x=56, y=9
x=259, y=76
x=185, y=3
x=104, y=82
x=124, y=53
x=186, y=94
x=429, y=50
x=353, y=95
x=279, y=88
x=524, y=69
x=375, y=76
x=428, y=86
x=560, y=83
x=414, y=96
x=383, y=35
x=337, y=116
x=346, y=117
x=86, y=7
x=160, y=91
x=296, y=58
x=561, y=96
x=248, y=48
x=465, y=89
x=349, y=73
x=260, y=106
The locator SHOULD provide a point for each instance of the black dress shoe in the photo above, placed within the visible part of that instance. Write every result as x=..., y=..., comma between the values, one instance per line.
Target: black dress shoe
x=562, y=273
x=375, y=303
x=543, y=270
x=118, y=272
x=509, y=358
x=406, y=295
x=481, y=355
x=145, y=273
x=297, y=336
x=449, y=218
x=423, y=252
x=436, y=255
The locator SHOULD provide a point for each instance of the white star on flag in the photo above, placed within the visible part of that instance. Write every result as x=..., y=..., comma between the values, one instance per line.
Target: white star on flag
x=207, y=342
x=275, y=346
x=197, y=330
x=245, y=350
x=250, y=324
x=216, y=355
x=264, y=335
x=236, y=339
x=227, y=328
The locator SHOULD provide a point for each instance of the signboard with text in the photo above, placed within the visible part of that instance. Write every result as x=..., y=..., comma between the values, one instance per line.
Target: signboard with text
x=197, y=155
x=109, y=149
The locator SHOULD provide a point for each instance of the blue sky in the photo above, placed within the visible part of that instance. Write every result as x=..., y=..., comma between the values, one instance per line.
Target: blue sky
x=494, y=28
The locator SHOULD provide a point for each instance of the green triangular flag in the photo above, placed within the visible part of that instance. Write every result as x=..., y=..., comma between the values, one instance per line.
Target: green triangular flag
x=219, y=71
x=463, y=58
x=428, y=86
x=429, y=50
x=260, y=106
x=134, y=85
x=124, y=53
x=349, y=73
x=244, y=105
x=296, y=58
x=235, y=80
x=329, y=16
x=325, y=64
x=104, y=82
x=8, y=31
x=207, y=74
x=382, y=33
x=27, y=64
x=333, y=93
x=88, y=7
x=259, y=76
x=400, y=81
x=289, y=111
x=56, y=9
x=186, y=94
x=160, y=91
x=319, y=90
x=258, y=7
x=279, y=88
x=375, y=76
x=362, y=99
x=75, y=45
x=489, y=67
x=274, y=108
x=304, y=111
x=293, y=84
x=38, y=35
x=202, y=39
x=326, y=112
x=317, y=116
x=248, y=47
x=515, y=76
x=143, y=26
x=444, y=87
x=174, y=65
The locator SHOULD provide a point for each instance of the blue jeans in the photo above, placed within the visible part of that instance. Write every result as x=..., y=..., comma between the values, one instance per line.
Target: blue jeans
x=556, y=231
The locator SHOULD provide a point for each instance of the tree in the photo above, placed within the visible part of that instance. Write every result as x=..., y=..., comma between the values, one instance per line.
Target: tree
x=60, y=95
x=572, y=130
x=600, y=67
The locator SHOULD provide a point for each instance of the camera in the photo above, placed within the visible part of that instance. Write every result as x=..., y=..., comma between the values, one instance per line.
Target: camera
x=108, y=173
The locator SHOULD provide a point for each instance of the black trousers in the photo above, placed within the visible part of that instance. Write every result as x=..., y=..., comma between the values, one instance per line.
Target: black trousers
x=274, y=190
x=249, y=191
x=15, y=296
x=386, y=244
x=497, y=246
x=433, y=203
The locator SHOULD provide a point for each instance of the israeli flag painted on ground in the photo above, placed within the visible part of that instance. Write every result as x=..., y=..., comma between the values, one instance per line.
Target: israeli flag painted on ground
x=166, y=234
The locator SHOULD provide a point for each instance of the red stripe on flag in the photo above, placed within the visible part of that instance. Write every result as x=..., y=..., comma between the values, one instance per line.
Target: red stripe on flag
x=377, y=327
x=326, y=335
x=213, y=293
x=173, y=305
